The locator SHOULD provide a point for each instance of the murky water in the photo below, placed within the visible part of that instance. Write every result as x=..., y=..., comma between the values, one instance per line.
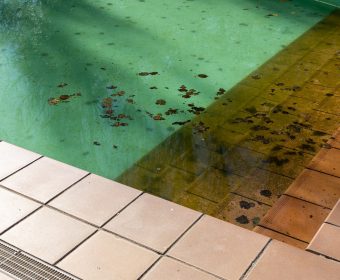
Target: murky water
x=99, y=84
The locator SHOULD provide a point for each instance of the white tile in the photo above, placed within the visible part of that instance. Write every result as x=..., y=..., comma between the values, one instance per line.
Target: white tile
x=218, y=247
x=48, y=234
x=12, y=158
x=13, y=208
x=107, y=257
x=93, y=192
x=44, y=179
x=153, y=222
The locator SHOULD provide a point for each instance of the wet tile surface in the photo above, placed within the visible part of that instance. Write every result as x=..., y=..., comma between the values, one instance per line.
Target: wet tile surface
x=12, y=158
x=48, y=234
x=327, y=241
x=153, y=222
x=208, y=245
x=105, y=256
x=44, y=179
x=296, y=218
x=281, y=237
x=316, y=187
x=242, y=211
x=328, y=161
x=13, y=208
x=281, y=262
x=334, y=216
x=169, y=269
x=95, y=199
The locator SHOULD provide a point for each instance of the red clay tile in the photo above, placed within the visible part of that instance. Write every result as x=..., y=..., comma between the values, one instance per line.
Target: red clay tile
x=328, y=161
x=316, y=187
x=295, y=217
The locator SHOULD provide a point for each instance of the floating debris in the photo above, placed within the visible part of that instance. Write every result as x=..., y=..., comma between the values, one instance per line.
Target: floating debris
x=266, y=193
x=171, y=111
x=111, y=87
x=61, y=85
x=242, y=220
x=181, y=122
x=147, y=73
x=200, y=128
x=202, y=76
x=96, y=143
x=62, y=98
x=158, y=117
x=246, y=205
x=160, y=102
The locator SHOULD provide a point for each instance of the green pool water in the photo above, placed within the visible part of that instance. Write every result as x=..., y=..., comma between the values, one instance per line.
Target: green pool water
x=60, y=59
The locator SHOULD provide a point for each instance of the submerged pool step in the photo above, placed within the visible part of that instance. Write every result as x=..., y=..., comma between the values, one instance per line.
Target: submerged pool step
x=21, y=266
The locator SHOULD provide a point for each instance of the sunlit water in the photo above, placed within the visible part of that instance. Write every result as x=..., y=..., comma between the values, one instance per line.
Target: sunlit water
x=77, y=81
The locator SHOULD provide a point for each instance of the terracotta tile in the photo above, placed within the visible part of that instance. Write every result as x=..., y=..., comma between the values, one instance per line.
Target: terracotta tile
x=209, y=245
x=214, y=184
x=13, y=208
x=334, y=216
x=263, y=186
x=153, y=222
x=294, y=217
x=44, y=179
x=281, y=237
x=48, y=234
x=13, y=158
x=327, y=161
x=331, y=105
x=316, y=187
x=327, y=241
x=94, y=192
x=322, y=121
x=169, y=269
x=281, y=262
x=105, y=257
x=241, y=211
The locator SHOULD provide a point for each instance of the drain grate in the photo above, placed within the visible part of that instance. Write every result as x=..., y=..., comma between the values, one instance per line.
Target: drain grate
x=21, y=266
x=6, y=252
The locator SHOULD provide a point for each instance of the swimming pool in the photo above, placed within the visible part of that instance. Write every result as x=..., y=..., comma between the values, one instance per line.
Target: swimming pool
x=99, y=84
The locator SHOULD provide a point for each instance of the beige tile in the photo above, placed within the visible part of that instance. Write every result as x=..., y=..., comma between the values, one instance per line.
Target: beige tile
x=282, y=262
x=316, y=187
x=13, y=158
x=95, y=199
x=13, y=208
x=44, y=179
x=220, y=248
x=170, y=269
x=334, y=216
x=48, y=234
x=328, y=161
x=153, y=222
x=327, y=241
x=106, y=257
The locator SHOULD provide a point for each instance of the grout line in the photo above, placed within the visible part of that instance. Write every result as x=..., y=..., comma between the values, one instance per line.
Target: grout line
x=2, y=179
x=310, y=168
x=322, y=255
x=259, y=202
x=193, y=266
x=268, y=228
x=24, y=218
x=76, y=247
x=202, y=197
x=21, y=194
x=254, y=262
x=79, y=180
x=122, y=209
x=183, y=233
x=146, y=271
x=304, y=200
x=325, y=222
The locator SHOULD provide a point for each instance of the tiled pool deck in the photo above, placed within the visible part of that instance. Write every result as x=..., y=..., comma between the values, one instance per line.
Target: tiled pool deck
x=94, y=228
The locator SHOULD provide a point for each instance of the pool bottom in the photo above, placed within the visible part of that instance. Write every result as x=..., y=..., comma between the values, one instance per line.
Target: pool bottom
x=235, y=160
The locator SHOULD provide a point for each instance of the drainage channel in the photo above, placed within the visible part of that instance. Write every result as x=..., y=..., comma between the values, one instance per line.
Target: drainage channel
x=21, y=266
